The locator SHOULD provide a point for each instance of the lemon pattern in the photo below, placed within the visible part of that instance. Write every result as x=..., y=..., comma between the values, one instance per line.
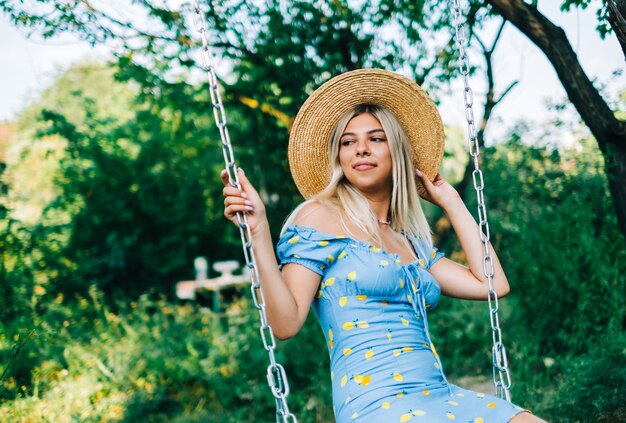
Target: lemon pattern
x=372, y=309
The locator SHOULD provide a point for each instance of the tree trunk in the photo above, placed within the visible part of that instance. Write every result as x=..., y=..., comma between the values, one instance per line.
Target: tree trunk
x=616, y=18
x=595, y=112
x=621, y=6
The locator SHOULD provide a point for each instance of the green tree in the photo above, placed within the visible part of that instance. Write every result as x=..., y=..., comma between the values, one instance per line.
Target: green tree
x=125, y=203
x=280, y=51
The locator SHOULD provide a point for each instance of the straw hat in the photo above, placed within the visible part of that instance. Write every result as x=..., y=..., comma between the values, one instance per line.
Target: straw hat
x=313, y=126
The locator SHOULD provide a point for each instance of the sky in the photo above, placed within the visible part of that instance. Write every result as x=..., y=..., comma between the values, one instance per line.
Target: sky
x=27, y=67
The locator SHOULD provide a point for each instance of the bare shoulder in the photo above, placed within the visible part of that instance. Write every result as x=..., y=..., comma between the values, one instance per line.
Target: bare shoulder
x=319, y=215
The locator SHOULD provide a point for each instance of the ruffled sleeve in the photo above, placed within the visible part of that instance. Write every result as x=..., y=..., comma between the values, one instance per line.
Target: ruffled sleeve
x=307, y=247
x=435, y=255
x=429, y=253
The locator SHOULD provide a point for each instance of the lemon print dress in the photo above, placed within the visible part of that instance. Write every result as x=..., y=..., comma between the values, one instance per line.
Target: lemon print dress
x=372, y=310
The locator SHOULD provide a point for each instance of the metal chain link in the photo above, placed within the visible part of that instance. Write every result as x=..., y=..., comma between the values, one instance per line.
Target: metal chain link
x=501, y=375
x=276, y=375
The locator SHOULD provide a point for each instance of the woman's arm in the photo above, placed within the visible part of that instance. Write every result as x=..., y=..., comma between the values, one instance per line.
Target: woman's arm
x=288, y=295
x=455, y=279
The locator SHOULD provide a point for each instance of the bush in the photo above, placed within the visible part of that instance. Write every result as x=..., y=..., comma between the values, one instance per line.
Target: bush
x=591, y=387
x=154, y=361
x=554, y=227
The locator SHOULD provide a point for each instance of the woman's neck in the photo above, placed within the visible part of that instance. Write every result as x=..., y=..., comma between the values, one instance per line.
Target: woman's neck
x=380, y=206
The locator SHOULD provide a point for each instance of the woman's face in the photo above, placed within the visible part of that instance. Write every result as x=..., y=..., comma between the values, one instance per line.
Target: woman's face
x=364, y=154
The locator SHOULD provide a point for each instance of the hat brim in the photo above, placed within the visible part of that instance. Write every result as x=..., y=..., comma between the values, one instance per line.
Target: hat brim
x=311, y=131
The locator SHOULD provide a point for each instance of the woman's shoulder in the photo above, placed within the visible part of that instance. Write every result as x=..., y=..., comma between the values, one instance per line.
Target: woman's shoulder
x=311, y=233
x=319, y=215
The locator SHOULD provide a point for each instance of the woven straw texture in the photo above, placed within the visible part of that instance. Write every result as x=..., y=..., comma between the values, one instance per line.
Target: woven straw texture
x=313, y=126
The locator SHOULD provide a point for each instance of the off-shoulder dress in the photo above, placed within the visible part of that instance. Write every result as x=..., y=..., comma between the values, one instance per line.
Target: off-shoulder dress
x=373, y=311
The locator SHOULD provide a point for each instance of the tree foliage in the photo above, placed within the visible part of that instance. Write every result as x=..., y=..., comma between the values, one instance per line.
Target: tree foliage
x=129, y=186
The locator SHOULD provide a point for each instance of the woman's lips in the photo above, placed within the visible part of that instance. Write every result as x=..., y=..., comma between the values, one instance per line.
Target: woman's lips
x=364, y=166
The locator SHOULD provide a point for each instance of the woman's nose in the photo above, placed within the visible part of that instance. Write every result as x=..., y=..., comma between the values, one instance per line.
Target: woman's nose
x=362, y=147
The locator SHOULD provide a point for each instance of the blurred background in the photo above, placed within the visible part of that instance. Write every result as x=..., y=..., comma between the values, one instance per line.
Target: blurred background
x=110, y=196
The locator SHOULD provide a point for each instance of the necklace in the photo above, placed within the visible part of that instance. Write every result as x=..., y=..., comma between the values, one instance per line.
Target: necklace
x=385, y=222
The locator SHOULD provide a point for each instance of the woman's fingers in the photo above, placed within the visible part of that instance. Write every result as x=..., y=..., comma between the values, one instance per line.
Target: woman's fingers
x=430, y=186
x=438, y=180
x=232, y=210
x=246, y=186
x=236, y=203
x=224, y=176
x=233, y=200
x=236, y=199
x=229, y=191
x=247, y=190
x=425, y=180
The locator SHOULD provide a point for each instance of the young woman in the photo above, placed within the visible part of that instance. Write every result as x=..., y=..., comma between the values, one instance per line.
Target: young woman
x=363, y=148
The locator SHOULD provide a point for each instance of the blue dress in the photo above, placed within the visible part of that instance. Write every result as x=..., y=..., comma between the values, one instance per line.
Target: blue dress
x=372, y=310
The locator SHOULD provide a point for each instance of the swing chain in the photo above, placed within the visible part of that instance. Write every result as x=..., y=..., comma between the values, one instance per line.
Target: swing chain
x=501, y=375
x=276, y=375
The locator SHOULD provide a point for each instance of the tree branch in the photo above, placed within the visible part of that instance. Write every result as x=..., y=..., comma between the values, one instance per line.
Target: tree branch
x=506, y=91
x=490, y=103
x=554, y=44
x=16, y=352
x=618, y=23
x=608, y=130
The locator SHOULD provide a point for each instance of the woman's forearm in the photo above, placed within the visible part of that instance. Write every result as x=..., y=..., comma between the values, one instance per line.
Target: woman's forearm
x=468, y=233
x=280, y=304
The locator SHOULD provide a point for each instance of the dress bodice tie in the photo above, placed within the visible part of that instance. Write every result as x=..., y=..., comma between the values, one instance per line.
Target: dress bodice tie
x=415, y=289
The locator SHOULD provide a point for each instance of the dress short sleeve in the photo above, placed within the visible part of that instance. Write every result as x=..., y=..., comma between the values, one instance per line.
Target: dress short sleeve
x=428, y=252
x=435, y=255
x=307, y=247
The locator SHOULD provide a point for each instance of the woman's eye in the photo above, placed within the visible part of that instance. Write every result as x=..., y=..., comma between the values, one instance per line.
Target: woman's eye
x=377, y=139
x=346, y=142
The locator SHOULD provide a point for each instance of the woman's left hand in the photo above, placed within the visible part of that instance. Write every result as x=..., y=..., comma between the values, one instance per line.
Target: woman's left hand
x=439, y=191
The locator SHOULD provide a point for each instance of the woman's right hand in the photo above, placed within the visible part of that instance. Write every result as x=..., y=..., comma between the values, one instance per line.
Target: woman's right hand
x=246, y=199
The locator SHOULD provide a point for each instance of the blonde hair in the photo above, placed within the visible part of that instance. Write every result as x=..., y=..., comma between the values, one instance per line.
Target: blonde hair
x=405, y=210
